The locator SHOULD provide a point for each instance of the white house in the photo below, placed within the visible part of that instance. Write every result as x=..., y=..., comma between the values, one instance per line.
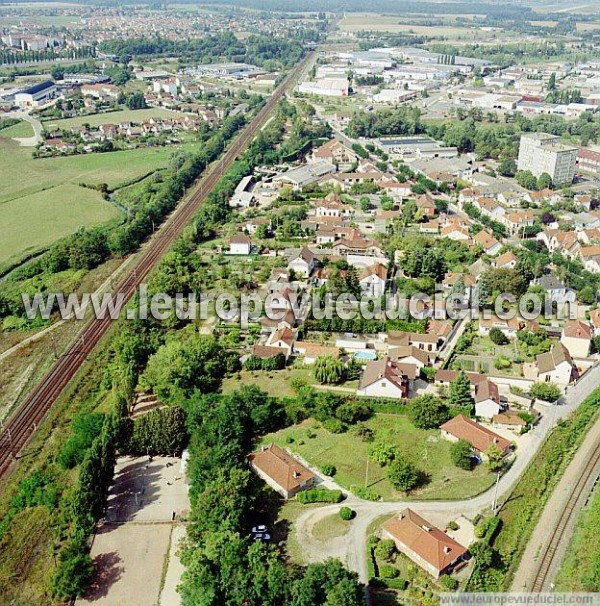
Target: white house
x=487, y=399
x=240, y=244
x=303, y=264
x=555, y=366
x=383, y=378
x=372, y=280
x=577, y=338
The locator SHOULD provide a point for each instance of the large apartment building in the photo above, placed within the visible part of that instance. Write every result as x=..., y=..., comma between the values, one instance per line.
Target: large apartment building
x=542, y=153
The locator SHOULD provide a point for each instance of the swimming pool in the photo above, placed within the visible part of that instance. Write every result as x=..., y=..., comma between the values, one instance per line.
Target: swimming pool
x=365, y=355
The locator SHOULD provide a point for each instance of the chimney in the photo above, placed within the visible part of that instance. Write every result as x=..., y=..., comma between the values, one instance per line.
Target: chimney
x=446, y=549
x=296, y=474
x=426, y=528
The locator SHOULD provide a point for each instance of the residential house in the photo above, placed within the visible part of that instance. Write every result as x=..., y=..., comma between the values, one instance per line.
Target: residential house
x=312, y=351
x=384, y=378
x=556, y=291
x=577, y=338
x=555, y=366
x=509, y=420
x=456, y=233
x=590, y=257
x=281, y=471
x=240, y=244
x=488, y=243
x=282, y=339
x=509, y=326
x=487, y=399
x=427, y=546
x=372, y=280
x=304, y=264
x=332, y=206
x=595, y=321
x=335, y=152
x=479, y=437
x=508, y=260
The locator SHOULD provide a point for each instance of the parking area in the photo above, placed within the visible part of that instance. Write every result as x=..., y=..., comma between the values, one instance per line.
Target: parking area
x=142, y=527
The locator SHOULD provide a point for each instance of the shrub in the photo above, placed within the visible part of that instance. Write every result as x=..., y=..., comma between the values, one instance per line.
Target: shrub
x=366, y=493
x=346, y=513
x=385, y=550
x=333, y=426
x=328, y=469
x=461, y=454
x=548, y=392
x=387, y=571
x=397, y=583
x=403, y=475
x=448, y=582
x=319, y=495
x=452, y=525
x=498, y=337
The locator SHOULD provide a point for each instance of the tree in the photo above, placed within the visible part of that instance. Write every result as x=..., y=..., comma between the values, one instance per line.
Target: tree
x=497, y=336
x=526, y=179
x=544, y=181
x=587, y=295
x=461, y=454
x=507, y=167
x=427, y=411
x=459, y=394
x=381, y=453
x=346, y=514
x=161, y=431
x=494, y=458
x=75, y=569
x=402, y=474
x=545, y=391
x=482, y=553
x=328, y=370
x=185, y=363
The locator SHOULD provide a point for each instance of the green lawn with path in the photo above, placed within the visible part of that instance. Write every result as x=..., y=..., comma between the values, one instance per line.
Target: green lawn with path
x=348, y=453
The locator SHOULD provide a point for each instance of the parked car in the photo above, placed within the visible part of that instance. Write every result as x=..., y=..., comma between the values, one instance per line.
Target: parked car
x=259, y=529
x=262, y=536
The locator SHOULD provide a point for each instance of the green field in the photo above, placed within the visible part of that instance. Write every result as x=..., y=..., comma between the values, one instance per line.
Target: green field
x=21, y=130
x=425, y=449
x=39, y=219
x=127, y=115
x=42, y=199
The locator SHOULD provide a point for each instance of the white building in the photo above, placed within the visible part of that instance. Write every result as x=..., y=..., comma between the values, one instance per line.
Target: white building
x=542, y=153
x=240, y=244
x=327, y=87
x=37, y=94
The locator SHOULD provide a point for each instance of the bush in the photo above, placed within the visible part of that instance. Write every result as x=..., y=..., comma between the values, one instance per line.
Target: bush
x=461, y=454
x=498, y=337
x=385, y=550
x=366, y=493
x=333, y=426
x=328, y=469
x=319, y=495
x=452, y=525
x=548, y=392
x=346, y=513
x=397, y=583
x=403, y=475
x=448, y=582
x=387, y=571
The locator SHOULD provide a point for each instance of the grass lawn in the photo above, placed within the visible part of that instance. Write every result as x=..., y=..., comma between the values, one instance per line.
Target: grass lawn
x=37, y=220
x=330, y=527
x=349, y=455
x=126, y=115
x=21, y=130
x=276, y=383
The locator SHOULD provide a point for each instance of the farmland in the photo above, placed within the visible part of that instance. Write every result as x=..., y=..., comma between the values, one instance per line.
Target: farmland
x=380, y=23
x=43, y=199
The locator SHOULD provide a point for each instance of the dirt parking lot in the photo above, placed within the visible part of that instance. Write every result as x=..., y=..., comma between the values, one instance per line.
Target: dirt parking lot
x=146, y=504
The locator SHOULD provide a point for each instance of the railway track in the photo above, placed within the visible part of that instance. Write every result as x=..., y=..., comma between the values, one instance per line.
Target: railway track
x=549, y=552
x=21, y=426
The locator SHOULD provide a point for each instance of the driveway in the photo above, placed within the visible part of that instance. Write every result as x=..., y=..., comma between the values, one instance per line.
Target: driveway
x=351, y=548
x=35, y=124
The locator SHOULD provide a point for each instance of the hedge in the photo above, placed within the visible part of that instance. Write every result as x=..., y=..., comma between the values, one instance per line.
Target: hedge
x=319, y=495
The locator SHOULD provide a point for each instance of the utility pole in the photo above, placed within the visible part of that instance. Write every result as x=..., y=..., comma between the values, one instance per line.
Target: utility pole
x=495, y=503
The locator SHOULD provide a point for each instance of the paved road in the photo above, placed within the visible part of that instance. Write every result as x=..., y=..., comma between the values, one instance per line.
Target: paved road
x=35, y=124
x=351, y=548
